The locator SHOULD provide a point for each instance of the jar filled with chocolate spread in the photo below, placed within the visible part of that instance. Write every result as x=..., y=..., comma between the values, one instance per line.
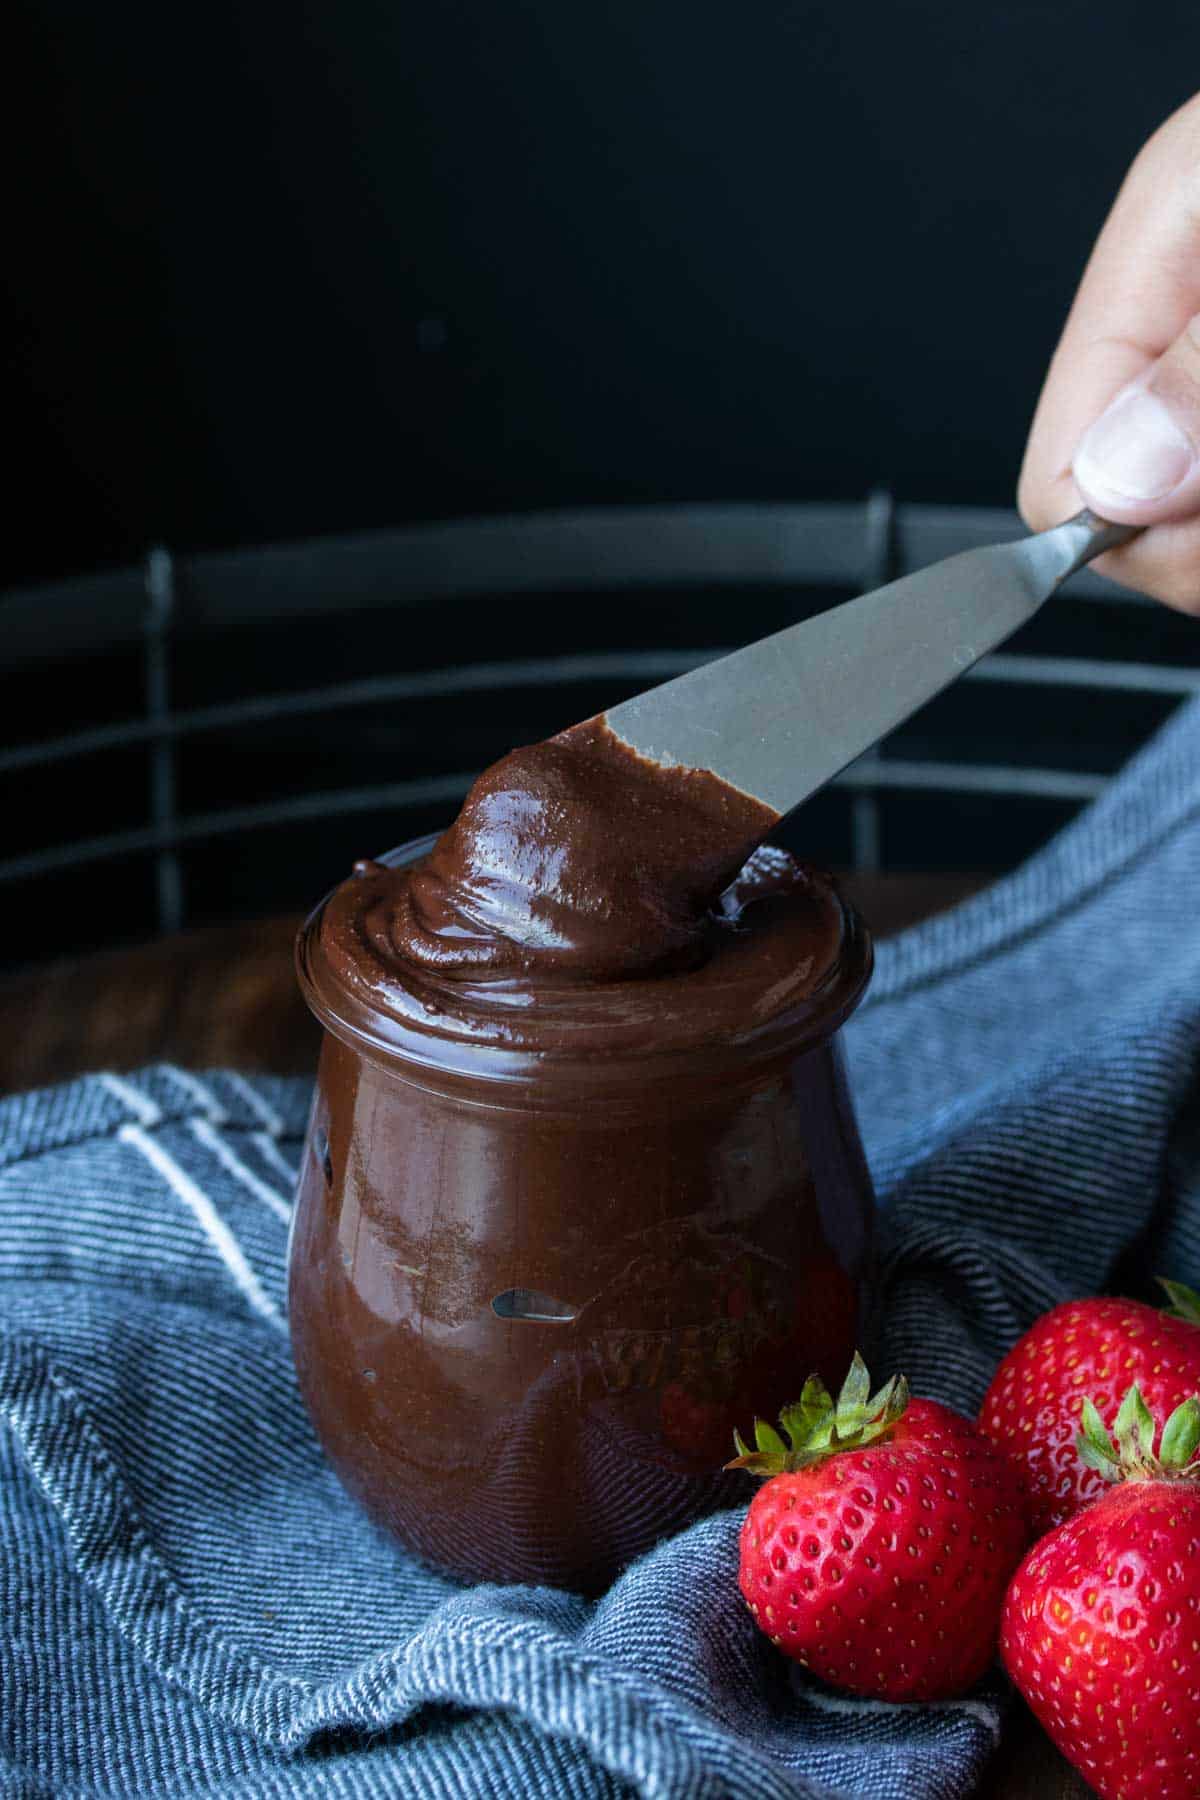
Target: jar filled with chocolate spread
x=582, y=1188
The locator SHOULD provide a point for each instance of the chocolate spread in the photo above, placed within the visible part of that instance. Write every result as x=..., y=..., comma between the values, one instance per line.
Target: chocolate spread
x=582, y=1187
x=586, y=896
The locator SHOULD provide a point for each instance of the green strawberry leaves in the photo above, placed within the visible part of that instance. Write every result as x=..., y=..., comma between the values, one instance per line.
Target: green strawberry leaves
x=813, y=1408
x=1094, y=1445
x=1135, y=1428
x=1132, y=1457
x=1185, y=1301
x=816, y=1426
x=769, y=1442
x=1181, y=1437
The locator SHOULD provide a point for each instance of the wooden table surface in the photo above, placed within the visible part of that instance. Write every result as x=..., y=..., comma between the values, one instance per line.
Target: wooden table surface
x=227, y=996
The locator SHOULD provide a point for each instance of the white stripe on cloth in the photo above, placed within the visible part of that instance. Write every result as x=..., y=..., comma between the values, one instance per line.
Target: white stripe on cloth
x=200, y=1092
x=274, y=1155
x=132, y=1099
x=257, y=1102
x=232, y=1163
x=210, y=1221
x=848, y=1703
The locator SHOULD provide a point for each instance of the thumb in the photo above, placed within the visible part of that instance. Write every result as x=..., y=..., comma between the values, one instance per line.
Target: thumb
x=1140, y=462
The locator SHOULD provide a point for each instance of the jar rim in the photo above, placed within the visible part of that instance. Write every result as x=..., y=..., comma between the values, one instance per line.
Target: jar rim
x=417, y=1053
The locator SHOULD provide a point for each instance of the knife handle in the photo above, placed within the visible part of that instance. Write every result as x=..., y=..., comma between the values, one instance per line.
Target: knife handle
x=1079, y=540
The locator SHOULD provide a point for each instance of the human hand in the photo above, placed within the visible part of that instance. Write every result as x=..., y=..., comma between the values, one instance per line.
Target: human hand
x=1118, y=421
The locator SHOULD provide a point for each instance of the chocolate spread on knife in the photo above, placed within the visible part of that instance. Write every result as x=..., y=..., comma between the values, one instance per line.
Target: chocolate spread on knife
x=585, y=890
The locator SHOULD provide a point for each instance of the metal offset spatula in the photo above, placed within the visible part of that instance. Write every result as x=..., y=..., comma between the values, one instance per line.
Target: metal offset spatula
x=786, y=714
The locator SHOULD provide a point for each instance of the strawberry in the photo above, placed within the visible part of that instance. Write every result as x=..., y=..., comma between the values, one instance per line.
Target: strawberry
x=1095, y=1347
x=1101, y=1626
x=878, y=1551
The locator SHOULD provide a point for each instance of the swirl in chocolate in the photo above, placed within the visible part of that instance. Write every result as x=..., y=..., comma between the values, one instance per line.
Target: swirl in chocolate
x=587, y=894
x=578, y=860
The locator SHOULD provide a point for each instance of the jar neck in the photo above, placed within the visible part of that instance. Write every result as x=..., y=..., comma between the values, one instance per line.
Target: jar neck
x=478, y=1067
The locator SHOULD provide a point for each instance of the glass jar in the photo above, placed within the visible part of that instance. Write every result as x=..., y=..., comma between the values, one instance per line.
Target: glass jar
x=530, y=1297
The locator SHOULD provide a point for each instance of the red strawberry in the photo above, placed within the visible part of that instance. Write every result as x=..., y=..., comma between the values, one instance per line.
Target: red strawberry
x=1095, y=1347
x=1101, y=1628
x=878, y=1552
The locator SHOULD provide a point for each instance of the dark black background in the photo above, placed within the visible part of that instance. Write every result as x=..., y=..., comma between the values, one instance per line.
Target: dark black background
x=279, y=270
x=282, y=268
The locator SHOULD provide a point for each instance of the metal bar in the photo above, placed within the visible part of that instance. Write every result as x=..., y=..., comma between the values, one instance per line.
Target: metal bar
x=866, y=825
x=1085, y=672
x=617, y=665
x=151, y=839
x=160, y=608
x=1047, y=784
x=603, y=547
x=977, y=778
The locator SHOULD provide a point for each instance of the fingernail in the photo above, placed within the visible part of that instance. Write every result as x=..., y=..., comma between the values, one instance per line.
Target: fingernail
x=1135, y=450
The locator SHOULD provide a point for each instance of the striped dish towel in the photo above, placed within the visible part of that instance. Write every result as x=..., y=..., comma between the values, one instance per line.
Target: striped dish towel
x=190, y=1606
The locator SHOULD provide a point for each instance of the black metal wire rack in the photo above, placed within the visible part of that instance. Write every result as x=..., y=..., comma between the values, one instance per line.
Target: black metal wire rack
x=803, y=555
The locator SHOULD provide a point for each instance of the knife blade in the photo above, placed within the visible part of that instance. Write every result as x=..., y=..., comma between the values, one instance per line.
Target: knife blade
x=789, y=712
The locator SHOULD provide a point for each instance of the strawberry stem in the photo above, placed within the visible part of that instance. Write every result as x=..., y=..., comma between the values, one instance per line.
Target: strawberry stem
x=1132, y=1458
x=816, y=1426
